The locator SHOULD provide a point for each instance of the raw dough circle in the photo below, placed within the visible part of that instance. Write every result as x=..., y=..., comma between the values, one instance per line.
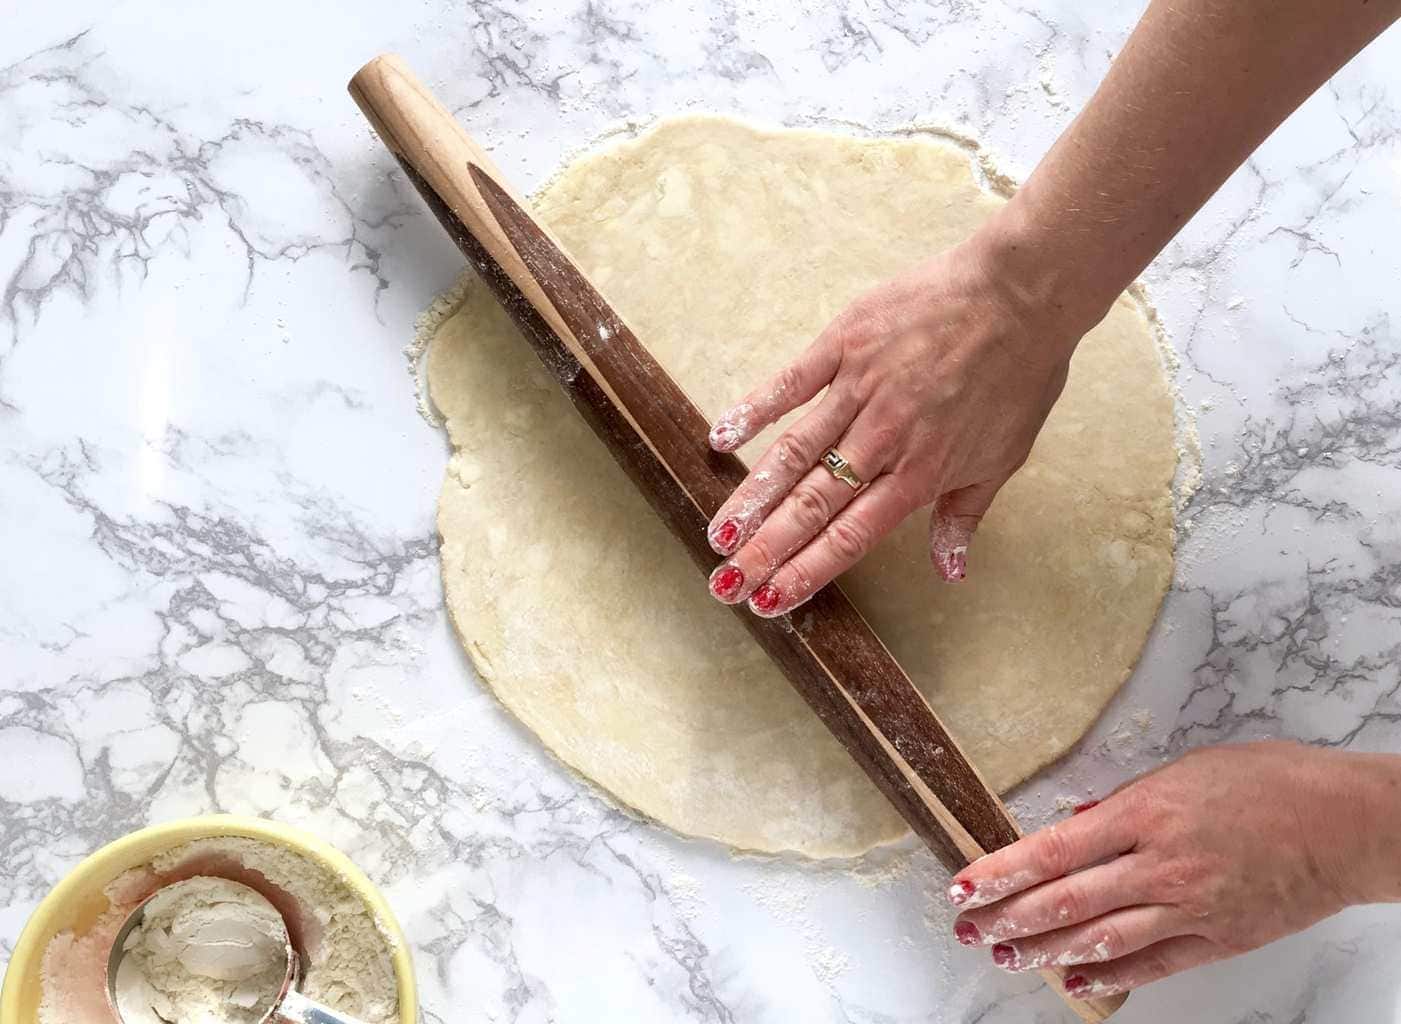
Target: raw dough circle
x=727, y=249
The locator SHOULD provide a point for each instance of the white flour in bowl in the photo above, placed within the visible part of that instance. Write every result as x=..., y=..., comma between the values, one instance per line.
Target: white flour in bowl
x=206, y=951
x=347, y=957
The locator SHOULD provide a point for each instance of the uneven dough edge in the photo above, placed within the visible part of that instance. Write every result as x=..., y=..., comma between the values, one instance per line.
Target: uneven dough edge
x=483, y=665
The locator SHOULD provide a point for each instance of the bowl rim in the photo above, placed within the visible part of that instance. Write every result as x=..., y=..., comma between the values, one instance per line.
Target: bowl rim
x=27, y=955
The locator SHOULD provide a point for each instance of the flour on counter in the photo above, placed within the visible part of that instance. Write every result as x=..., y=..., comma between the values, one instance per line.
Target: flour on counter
x=685, y=892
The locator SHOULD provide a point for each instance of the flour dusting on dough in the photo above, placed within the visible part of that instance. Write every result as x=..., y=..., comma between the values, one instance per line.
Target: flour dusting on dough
x=534, y=514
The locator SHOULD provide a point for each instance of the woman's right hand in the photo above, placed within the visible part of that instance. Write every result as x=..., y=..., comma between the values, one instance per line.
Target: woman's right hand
x=934, y=386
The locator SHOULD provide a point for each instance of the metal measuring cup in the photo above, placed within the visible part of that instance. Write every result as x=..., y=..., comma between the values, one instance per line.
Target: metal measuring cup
x=289, y=1007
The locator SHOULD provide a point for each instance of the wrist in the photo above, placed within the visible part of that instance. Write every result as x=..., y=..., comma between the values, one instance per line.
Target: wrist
x=1377, y=827
x=1052, y=281
x=1353, y=819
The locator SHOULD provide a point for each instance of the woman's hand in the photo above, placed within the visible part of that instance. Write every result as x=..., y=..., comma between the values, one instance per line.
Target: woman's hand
x=936, y=385
x=1217, y=853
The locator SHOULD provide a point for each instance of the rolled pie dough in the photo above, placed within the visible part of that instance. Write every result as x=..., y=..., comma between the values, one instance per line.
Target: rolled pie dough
x=727, y=249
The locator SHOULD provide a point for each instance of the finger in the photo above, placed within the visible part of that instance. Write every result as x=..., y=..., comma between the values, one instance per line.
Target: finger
x=1060, y=903
x=952, y=522
x=785, y=463
x=1135, y=970
x=789, y=388
x=803, y=513
x=1110, y=937
x=1053, y=852
x=847, y=538
x=798, y=517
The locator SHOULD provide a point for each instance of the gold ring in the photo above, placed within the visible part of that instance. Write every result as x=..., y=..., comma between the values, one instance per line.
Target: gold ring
x=837, y=465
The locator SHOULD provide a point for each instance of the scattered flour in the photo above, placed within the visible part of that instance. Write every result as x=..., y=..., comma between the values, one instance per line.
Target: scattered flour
x=828, y=963
x=416, y=351
x=685, y=893
x=783, y=898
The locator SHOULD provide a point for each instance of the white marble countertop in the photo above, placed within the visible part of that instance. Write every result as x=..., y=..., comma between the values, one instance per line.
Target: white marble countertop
x=220, y=585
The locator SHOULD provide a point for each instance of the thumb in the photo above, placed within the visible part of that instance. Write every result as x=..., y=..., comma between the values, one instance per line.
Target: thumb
x=951, y=525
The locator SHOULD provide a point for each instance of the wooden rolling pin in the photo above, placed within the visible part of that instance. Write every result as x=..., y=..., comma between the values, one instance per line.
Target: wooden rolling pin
x=826, y=649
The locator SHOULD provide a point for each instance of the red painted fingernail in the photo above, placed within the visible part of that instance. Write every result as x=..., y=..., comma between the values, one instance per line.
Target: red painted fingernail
x=1076, y=984
x=766, y=598
x=726, y=580
x=960, y=891
x=1004, y=955
x=726, y=536
x=966, y=932
x=952, y=565
x=1084, y=807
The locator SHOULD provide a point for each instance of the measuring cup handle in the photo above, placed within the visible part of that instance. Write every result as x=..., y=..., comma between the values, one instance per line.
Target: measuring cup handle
x=296, y=1008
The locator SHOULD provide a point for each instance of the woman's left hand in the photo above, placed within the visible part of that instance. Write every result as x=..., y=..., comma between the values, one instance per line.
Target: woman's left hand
x=1222, y=851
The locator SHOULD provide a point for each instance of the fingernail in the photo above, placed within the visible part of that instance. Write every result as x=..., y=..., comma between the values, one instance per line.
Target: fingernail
x=960, y=892
x=966, y=932
x=726, y=581
x=1084, y=807
x=1004, y=956
x=765, y=599
x=1076, y=984
x=724, y=438
x=725, y=537
x=952, y=565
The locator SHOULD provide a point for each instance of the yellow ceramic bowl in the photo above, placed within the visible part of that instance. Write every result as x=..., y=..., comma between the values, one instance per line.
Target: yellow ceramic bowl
x=78, y=900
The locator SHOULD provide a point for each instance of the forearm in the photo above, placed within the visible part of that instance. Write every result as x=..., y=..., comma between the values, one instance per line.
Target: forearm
x=1198, y=85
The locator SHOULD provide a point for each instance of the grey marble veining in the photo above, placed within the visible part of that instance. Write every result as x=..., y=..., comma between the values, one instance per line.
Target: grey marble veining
x=219, y=567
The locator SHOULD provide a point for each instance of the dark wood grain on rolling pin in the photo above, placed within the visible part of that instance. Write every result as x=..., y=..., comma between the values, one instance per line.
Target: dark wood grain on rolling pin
x=678, y=431
x=687, y=524
x=825, y=650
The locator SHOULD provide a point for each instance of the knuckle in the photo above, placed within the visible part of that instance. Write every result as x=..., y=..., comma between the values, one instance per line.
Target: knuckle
x=1052, y=856
x=1136, y=799
x=844, y=323
x=1142, y=809
x=886, y=437
x=760, y=552
x=856, y=336
x=1187, y=883
x=793, y=582
x=1192, y=872
x=791, y=450
x=786, y=382
x=809, y=508
x=1167, y=884
x=849, y=539
x=1106, y=943
x=901, y=491
x=1069, y=905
